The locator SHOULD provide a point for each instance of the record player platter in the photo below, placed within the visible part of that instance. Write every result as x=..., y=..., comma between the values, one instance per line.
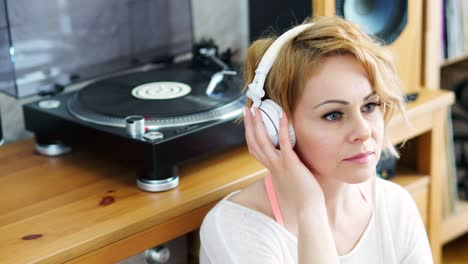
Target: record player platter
x=160, y=117
x=181, y=101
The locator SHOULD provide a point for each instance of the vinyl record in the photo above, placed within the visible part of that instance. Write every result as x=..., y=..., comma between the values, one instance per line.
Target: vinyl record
x=163, y=93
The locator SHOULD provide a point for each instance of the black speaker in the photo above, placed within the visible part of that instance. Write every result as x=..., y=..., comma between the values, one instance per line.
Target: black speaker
x=383, y=19
x=276, y=16
x=397, y=23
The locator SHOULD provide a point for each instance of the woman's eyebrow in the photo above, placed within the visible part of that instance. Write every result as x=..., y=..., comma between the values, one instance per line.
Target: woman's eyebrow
x=341, y=101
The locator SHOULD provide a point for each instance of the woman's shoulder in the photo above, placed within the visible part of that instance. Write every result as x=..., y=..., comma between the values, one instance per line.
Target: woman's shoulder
x=228, y=223
x=406, y=228
x=242, y=210
x=253, y=197
x=234, y=233
x=241, y=207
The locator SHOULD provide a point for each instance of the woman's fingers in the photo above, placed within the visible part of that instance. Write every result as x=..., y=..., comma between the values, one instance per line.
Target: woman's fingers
x=262, y=137
x=249, y=132
x=284, y=141
x=257, y=138
x=255, y=148
x=290, y=157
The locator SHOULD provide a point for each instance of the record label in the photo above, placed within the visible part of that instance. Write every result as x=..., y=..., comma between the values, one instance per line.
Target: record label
x=161, y=90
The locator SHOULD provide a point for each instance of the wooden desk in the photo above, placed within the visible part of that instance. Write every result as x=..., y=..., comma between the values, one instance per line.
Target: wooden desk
x=87, y=209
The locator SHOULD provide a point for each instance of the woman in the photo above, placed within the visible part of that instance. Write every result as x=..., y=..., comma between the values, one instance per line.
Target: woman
x=321, y=201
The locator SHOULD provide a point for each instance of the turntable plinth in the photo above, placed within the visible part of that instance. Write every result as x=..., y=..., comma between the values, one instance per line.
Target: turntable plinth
x=177, y=120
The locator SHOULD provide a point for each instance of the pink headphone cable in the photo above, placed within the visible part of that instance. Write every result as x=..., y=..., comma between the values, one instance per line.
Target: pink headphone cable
x=273, y=201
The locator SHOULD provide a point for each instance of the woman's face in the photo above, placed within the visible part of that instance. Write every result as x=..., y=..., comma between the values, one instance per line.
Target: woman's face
x=339, y=123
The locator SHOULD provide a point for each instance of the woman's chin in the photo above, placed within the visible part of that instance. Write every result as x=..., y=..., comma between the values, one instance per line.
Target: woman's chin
x=359, y=177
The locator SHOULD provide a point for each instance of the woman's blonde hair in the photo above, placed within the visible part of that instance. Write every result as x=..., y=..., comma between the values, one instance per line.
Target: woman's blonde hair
x=326, y=36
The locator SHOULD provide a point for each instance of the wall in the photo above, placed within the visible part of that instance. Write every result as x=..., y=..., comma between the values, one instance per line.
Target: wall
x=226, y=23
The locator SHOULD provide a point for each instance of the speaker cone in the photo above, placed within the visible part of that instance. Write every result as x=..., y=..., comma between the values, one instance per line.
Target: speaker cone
x=382, y=19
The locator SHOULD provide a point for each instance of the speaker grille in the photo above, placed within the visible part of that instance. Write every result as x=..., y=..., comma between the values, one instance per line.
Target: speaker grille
x=382, y=19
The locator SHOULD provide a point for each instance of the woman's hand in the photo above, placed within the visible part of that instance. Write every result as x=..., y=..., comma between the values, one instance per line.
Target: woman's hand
x=299, y=186
x=293, y=178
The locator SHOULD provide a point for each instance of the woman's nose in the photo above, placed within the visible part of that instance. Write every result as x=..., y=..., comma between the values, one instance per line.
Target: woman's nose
x=360, y=128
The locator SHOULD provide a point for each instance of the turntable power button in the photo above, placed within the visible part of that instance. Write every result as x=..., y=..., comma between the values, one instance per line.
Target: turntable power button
x=153, y=136
x=49, y=104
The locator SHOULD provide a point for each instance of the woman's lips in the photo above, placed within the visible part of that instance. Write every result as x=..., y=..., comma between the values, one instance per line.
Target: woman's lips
x=361, y=158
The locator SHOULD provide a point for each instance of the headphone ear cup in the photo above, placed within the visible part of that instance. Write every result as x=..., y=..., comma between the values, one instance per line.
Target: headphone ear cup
x=271, y=115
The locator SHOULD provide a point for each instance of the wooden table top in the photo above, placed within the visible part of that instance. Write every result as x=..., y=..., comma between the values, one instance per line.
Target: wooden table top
x=56, y=209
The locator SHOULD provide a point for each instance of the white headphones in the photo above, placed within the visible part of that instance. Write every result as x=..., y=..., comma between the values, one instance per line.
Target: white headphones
x=271, y=111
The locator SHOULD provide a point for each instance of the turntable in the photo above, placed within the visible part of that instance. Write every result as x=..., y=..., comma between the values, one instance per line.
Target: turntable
x=140, y=106
x=163, y=122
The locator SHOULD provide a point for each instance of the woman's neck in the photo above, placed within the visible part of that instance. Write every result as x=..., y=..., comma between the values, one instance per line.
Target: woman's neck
x=340, y=199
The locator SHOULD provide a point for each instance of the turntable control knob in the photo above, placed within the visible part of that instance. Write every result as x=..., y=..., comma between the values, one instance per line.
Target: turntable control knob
x=135, y=125
x=153, y=136
x=49, y=104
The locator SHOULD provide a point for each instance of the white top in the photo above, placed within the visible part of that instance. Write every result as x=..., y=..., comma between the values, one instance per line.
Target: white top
x=232, y=233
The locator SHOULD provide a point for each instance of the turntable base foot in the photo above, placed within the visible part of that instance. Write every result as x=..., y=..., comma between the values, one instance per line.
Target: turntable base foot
x=52, y=149
x=157, y=185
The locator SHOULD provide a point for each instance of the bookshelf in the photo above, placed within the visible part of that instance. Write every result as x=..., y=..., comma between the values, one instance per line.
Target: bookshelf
x=453, y=70
x=456, y=62
x=421, y=169
x=440, y=73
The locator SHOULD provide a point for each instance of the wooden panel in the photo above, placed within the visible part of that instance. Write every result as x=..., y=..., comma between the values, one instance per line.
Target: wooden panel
x=418, y=114
x=149, y=238
x=456, y=251
x=460, y=62
x=431, y=44
x=457, y=224
x=409, y=45
x=417, y=125
x=323, y=8
x=454, y=73
x=71, y=215
x=430, y=162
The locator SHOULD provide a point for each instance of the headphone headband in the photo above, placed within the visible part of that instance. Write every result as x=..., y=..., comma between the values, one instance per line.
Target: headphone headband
x=255, y=90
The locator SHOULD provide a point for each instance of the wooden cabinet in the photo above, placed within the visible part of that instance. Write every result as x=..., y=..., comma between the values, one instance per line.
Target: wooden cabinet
x=424, y=160
x=453, y=71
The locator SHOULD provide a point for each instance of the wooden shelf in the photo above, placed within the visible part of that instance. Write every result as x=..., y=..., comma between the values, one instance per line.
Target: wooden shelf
x=457, y=62
x=457, y=224
x=456, y=251
x=412, y=181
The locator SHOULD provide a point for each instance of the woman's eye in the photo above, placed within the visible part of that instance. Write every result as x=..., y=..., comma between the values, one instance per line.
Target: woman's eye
x=371, y=106
x=333, y=116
